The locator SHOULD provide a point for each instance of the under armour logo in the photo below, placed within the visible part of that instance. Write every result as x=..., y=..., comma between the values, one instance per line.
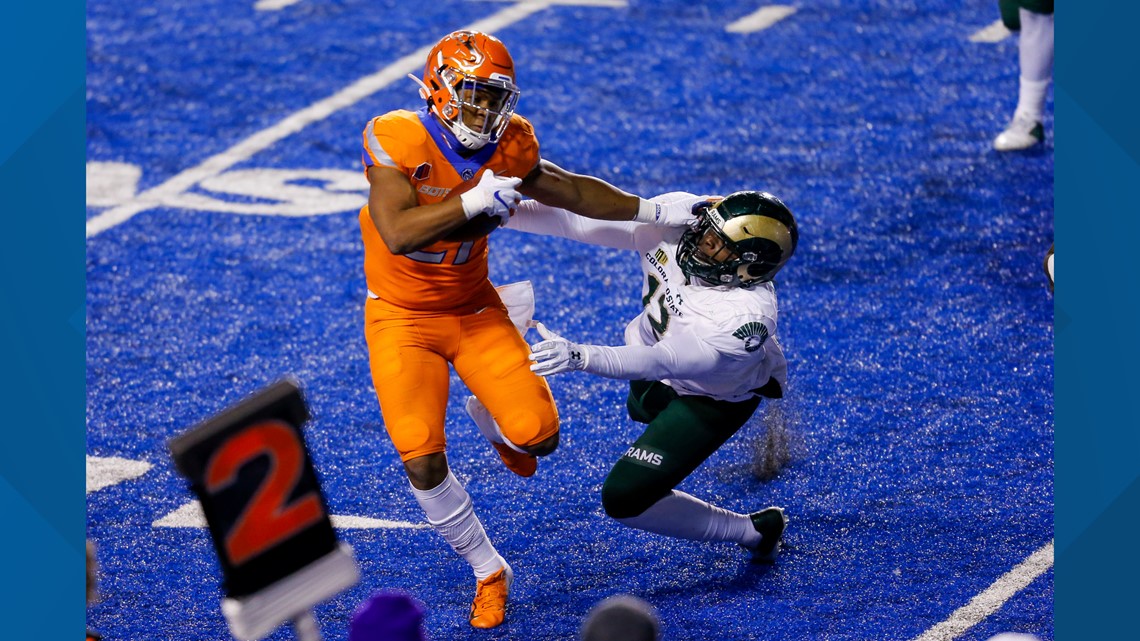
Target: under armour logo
x=576, y=356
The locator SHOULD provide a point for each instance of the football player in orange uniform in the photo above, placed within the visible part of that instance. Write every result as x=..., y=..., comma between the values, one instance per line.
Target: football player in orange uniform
x=442, y=178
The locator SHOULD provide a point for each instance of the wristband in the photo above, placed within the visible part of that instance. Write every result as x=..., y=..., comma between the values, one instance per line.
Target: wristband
x=471, y=206
x=647, y=211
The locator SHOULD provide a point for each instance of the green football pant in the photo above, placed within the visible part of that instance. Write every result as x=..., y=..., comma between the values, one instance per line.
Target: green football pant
x=1009, y=9
x=682, y=432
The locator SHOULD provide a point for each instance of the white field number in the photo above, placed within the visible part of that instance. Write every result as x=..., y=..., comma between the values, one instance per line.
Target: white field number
x=270, y=192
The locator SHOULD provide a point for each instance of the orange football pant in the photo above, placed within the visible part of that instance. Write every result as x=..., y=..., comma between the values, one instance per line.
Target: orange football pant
x=409, y=356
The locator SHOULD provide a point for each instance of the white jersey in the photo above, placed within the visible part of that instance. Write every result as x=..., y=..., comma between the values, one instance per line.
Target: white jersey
x=735, y=326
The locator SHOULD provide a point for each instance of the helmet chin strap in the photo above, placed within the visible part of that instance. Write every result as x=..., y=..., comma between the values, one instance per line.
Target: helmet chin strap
x=425, y=92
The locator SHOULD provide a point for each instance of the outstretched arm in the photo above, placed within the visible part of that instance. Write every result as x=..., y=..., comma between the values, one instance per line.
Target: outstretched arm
x=534, y=217
x=595, y=198
x=584, y=195
x=684, y=356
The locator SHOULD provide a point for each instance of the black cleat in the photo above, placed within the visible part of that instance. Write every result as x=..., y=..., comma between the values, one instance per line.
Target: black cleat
x=770, y=523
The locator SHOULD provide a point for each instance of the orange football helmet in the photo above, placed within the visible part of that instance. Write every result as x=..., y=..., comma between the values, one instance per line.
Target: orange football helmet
x=469, y=82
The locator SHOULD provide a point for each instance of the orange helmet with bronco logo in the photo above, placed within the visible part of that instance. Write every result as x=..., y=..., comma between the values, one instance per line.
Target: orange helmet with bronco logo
x=469, y=82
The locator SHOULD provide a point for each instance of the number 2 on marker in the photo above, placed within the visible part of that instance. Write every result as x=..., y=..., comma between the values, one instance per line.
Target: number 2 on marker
x=266, y=520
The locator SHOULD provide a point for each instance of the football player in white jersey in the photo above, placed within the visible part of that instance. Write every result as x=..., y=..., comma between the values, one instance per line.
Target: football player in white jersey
x=700, y=356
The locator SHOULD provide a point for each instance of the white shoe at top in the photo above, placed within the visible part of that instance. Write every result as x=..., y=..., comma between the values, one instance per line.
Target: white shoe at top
x=1022, y=133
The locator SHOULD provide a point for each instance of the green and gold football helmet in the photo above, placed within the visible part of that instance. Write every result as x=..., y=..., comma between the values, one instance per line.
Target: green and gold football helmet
x=739, y=241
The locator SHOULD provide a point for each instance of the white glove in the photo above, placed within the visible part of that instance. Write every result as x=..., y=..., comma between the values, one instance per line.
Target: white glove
x=493, y=196
x=555, y=354
x=680, y=213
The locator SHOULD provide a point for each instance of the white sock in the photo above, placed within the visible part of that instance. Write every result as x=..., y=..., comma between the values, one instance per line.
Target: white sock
x=1031, y=99
x=449, y=510
x=682, y=516
x=1035, y=57
x=1035, y=45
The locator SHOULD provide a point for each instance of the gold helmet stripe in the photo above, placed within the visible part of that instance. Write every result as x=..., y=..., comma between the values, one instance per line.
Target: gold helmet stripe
x=754, y=226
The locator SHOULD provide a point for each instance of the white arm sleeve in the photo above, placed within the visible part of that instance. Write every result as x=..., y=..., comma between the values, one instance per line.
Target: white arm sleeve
x=684, y=356
x=533, y=217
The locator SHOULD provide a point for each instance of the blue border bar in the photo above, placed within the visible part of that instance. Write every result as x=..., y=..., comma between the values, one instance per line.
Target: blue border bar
x=1097, y=226
x=42, y=317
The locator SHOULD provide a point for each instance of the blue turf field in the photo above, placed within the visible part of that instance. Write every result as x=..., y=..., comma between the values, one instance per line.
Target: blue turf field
x=915, y=316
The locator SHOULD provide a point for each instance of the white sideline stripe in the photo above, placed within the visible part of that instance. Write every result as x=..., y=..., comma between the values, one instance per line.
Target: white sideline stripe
x=994, y=32
x=992, y=598
x=104, y=471
x=350, y=95
x=190, y=515
x=761, y=19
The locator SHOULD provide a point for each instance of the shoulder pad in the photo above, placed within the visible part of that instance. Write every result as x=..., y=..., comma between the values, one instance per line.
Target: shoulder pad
x=400, y=125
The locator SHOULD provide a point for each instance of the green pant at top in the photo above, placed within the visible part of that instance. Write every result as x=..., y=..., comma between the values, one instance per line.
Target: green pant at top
x=1009, y=9
x=682, y=432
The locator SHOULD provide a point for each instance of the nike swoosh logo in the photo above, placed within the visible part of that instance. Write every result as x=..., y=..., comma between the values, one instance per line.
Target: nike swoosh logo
x=501, y=200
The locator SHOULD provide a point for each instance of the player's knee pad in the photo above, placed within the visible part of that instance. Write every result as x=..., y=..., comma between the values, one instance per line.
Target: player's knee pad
x=535, y=427
x=629, y=491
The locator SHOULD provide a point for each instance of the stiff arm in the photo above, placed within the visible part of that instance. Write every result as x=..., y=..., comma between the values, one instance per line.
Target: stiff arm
x=534, y=217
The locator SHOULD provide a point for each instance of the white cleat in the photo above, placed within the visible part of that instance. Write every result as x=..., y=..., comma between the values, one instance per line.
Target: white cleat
x=518, y=462
x=1022, y=133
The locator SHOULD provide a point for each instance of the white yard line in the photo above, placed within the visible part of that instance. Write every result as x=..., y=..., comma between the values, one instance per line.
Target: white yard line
x=105, y=471
x=354, y=93
x=273, y=5
x=761, y=19
x=190, y=516
x=992, y=598
x=994, y=32
x=613, y=4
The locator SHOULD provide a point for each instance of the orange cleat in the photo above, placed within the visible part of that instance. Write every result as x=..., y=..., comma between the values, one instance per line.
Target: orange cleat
x=517, y=462
x=490, y=606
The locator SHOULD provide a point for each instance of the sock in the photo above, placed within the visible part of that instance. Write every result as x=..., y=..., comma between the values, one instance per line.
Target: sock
x=449, y=510
x=1031, y=99
x=1035, y=46
x=682, y=516
x=1035, y=56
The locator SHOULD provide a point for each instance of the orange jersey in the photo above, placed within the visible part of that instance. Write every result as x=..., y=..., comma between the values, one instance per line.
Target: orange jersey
x=445, y=276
